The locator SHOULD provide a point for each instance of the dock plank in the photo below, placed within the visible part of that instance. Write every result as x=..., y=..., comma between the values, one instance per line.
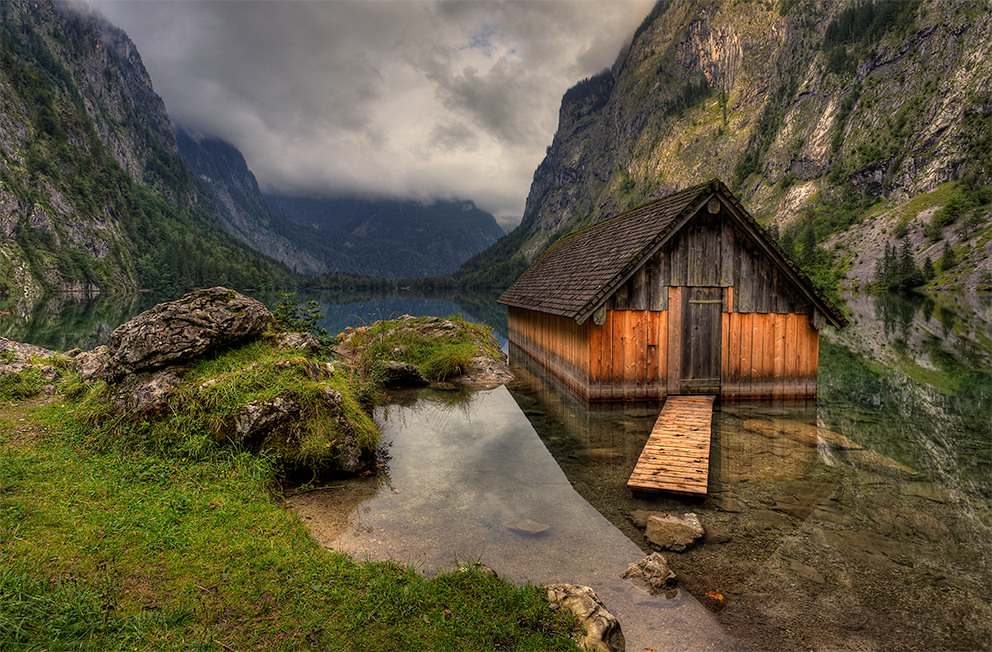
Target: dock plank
x=676, y=457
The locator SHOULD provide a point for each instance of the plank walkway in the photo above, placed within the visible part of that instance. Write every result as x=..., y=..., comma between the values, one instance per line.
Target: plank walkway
x=676, y=457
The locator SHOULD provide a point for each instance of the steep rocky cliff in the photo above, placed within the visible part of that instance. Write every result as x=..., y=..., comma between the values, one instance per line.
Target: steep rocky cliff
x=93, y=191
x=222, y=169
x=817, y=113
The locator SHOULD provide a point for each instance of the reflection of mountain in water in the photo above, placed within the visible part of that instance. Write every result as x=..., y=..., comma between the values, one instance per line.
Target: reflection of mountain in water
x=66, y=321
x=825, y=506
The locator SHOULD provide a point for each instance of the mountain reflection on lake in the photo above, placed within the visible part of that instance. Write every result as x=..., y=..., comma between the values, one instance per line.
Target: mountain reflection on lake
x=859, y=521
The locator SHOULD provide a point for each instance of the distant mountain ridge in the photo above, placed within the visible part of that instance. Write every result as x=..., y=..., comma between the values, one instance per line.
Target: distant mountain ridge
x=316, y=236
x=392, y=237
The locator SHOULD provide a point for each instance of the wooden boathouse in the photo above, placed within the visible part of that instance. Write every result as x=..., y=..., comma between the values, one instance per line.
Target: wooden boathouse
x=684, y=295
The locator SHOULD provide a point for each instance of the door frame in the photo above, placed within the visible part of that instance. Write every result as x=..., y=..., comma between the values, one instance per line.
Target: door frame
x=678, y=307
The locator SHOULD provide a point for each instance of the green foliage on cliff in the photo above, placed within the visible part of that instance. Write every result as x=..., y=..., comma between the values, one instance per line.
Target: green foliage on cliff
x=103, y=228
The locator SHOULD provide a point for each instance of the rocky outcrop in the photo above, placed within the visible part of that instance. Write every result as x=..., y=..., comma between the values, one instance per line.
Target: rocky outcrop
x=487, y=368
x=287, y=403
x=178, y=331
x=600, y=629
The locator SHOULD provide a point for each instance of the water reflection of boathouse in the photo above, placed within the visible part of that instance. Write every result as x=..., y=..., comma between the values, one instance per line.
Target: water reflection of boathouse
x=685, y=295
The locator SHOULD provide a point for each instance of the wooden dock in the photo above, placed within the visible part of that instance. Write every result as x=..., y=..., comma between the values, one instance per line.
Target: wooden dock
x=676, y=457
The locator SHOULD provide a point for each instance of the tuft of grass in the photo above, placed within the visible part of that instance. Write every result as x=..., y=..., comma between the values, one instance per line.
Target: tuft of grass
x=439, y=348
x=21, y=384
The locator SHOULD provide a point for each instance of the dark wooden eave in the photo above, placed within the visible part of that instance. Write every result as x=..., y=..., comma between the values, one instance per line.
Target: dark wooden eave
x=581, y=270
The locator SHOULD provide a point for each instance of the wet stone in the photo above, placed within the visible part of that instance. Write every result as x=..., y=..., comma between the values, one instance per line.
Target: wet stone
x=527, y=526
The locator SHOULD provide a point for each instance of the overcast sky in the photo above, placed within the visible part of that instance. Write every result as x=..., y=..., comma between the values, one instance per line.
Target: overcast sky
x=407, y=98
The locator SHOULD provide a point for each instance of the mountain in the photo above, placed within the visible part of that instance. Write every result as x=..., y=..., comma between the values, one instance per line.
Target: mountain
x=844, y=126
x=391, y=237
x=222, y=169
x=94, y=194
x=356, y=236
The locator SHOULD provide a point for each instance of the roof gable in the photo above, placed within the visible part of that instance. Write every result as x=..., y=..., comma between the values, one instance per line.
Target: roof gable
x=582, y=269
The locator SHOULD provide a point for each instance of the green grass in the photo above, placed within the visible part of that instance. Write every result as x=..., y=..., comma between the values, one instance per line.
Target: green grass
x=109, y=548
x=201, y=413
x=438, y=352
x=21, y=384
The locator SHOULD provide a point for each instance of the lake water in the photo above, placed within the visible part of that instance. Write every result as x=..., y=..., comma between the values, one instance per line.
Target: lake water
x=860, y=520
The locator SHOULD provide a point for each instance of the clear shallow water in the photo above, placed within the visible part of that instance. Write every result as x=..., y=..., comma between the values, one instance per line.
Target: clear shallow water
x=465, y=477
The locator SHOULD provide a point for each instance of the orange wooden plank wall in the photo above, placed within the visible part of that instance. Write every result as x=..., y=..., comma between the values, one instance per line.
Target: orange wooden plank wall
x=558, y=343
x=768, y=356
x=628, y=355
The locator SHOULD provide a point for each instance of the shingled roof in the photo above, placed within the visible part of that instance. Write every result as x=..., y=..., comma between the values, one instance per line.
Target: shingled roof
x=573, y=277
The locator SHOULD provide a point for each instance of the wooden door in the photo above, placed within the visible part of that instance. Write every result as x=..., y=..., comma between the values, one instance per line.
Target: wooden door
x=701, y=336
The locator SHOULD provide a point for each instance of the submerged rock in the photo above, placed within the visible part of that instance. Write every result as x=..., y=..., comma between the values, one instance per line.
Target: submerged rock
x=600, y=629
x=652, y=573
x=668, y=532
x=528, y=526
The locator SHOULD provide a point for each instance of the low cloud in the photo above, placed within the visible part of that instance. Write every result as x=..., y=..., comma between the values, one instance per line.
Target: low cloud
x=412, y=98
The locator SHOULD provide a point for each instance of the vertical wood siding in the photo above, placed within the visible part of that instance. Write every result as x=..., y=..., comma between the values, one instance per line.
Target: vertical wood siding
x=769, y=356
x=628, y=356
x=558, y=343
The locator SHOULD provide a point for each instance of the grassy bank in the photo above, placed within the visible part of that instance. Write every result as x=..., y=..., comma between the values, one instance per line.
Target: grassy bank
x=165, y=531
x=108, y=548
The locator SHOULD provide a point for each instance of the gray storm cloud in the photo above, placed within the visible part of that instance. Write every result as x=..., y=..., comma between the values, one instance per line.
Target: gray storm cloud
x=413, y=99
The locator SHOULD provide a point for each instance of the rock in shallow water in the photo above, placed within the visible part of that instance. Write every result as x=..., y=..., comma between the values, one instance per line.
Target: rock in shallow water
x=528, y=526
x=669, y=532
x=601, y=629
x=652, y=573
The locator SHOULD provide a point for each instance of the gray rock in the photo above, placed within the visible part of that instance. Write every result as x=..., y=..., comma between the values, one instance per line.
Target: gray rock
x=91, y=364
x=177, y=331
x=305, y=342
x=402, y=374
x=21, y=352
x=652, y=573
x=715, y=535
x=148, y=392
x=668, y=532
x=258, y=418
x=527, y=526
x=349, y=457
x=600, y=629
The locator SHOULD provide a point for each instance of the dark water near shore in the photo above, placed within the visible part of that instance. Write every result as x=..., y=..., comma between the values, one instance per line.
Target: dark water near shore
x=861, y=520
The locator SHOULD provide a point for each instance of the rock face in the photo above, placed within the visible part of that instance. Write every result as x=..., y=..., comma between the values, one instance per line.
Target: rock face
x=780, y=102
x=668, y=532
x=178, y=331
x=601, y=629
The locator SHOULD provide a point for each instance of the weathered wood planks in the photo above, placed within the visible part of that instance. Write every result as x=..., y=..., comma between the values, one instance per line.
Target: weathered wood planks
x=676, y=456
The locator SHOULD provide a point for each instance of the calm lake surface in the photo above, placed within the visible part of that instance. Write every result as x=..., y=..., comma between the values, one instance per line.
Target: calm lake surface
x=861, y=520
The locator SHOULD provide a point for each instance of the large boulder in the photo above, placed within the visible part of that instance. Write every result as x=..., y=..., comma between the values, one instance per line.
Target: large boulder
x=177, y=331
